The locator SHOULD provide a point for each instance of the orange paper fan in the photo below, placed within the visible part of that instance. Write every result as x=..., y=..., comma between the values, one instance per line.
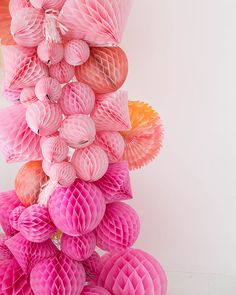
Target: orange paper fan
x=143, y=140
x=5, y=23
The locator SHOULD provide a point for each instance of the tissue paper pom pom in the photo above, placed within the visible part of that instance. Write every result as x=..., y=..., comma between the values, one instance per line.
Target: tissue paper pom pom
x=50, y=53
x=27, y=27
x=78, y=131
x=12, y=95
x=119, y=228
x=28, y=253
x=17, y=142
x=62, y=71
x=76, y=52
x=78, y=248
x=105, y=71
x=35, y=224
x=28, y=96
x=14, y=217
x=143, y=140
x=48, y=4
x=111, y=112
x=115, y=184
x=94, y=290
x=92, y=266
x=48, y=89
x=4, y=251
x=62, y=173
x=29, y=181
x=8, y=202
x=15, y=5
x=46, y=167
x=57, y=275
x=77, y=98
x=112, y=143
x=77, y=209
x=43, y=118
x=54, y=149
x=101, y=22
x=90, y=163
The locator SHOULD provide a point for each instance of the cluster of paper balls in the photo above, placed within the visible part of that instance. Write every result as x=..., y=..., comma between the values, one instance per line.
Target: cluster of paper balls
x=79, y=136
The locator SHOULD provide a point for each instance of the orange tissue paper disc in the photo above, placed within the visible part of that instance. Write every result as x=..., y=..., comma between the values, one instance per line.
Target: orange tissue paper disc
x=29, y=182
x=5, y=23
x=143, y=140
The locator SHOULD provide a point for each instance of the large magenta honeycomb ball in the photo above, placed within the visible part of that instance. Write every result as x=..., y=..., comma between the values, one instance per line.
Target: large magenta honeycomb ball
x=94, y=290
x=4, y=251
x=132, y=272
x=77, y=209
x=58, y=275
x=119, y=228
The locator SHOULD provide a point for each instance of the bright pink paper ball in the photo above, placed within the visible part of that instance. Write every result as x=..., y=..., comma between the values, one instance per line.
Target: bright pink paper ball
x=63, y=174
x=92, y=266
x=50, y=53
x=132, y=272
x=77, y=209
x=54, y=149
x=94, y=290
x=28, y=96
x=119, y=228
x=48, y=89
x=4, y=251
x=14, y=217
x=76, y=52
x=62, y=71
x=57, y=275
x=78, y=248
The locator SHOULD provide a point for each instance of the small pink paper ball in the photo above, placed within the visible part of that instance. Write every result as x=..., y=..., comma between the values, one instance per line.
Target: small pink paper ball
x=92, y=266
x=48, y=88
x=14, y=217
x=62, y=71
x=133, y=272
x=28, y=96
x=57, y=275
x=50, y=53
x=77, y=209
x=76, y=52
x=48, y=4
x=15, y=5
x=43, y=118
x=119, y=228
x=46, y=167
x=54, y=149
x=78, y=248
x=77, y=98
x=94, y=290
x=62, y=173
x=78, y=131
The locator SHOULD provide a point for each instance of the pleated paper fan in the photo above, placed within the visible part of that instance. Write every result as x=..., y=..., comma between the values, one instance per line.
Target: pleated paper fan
x=5, y=23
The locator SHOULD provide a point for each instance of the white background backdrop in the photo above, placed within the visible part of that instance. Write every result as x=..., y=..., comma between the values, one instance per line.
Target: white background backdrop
x=182, y=58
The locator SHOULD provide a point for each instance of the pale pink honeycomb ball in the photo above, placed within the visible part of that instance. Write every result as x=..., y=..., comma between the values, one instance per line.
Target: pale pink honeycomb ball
x=76, y=52
x=92, y=267
x=77, y=98
x=50, y=53
x=43, y=118
x=78, y=131
x=43, y=138
x=14, y=217
x=94, y=290
x=28, y=96
x=48, y=88
x=63, y=173
x=48, y=4
x=90, y=163
x=57, y=275
x=54, y=149
x=77, y=209
x=46, y=167
x=62, y=71
x=12, y=95
x=78, y=248
x=15, y=5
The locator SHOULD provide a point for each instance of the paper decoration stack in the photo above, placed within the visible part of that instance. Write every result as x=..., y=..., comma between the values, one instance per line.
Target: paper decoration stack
x=79, y=136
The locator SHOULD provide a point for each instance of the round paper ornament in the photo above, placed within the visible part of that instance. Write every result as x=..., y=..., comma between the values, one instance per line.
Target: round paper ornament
x=46, y=167
x=48, y=4
x=92, y=267
x=77, y=98
x=76, y=52
x=16, y=5
x=4, y=251
x=50, y=53
x=29, y=181
x=90, y=163
x=94, y=290
x=12, y=95
x=48, y=89
x=62, y=71
x=105, y=71
x=57, y=275
x=77, y=209
x=123, y=273
x=54, y=149
x=63, y=174
x=28, y=96
x=78, y=131
x=14, y=217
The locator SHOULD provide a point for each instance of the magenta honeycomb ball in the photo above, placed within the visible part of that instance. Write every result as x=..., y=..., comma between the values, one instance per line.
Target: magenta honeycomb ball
x=119, y=228
x=57, y=275
x=4, y=251
x=94, y=290
x=14, y=217
x=132, y=272
x=77, y=209
x=92, y=266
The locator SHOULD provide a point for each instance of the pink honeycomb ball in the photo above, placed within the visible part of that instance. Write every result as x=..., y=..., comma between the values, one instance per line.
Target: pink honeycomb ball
x=43, y=118
x=119, y=228
x=133, y=272
x=48, y=4
x=35, y=224
x=12, y=95
x=77, y=209
x=94, y=290
x=46, y=167
x=28, y=96
x=63, y=174
x=90, y=163
x=4, y=251
x=92, y=266
x=76, y=52
x=62, y=71
x=48, y=88
x=54, y=149
x=77, y=98
x=50, y=53
x=14, y=217
x=57, y=275
x=78, y=248
x=78, y=131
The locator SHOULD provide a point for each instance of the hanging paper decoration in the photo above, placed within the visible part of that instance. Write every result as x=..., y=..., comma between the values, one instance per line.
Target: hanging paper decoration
x=76, y=52
x=54, y=149
x=15, y=5
x=12, y=95
x=92, y=266
x=48, y=89
x=28, y=96
x=4, y=251
x=62, y=71
x=14, y=217
x=94, y=290
x=50, y=53
x=63, y=174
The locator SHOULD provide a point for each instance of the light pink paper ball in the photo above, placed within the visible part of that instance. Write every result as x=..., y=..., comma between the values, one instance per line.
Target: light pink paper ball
x=48, y=4
x=46, y=167
x=48, y=89
x=57, y=275
x=78, y=131
x=119, y=228
x=50, y=53
x=43, y=118
x=54, y=149
x=94, y=290
x=62, y=173
x=78, y=248
x=77, y=98
x=77, y=209
x=92, y=266
x=62, y=71
x=28, y=96
x=90, y=163
x=14, y=217
x=76, y=52
x=15, y=5
x=12, y=95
